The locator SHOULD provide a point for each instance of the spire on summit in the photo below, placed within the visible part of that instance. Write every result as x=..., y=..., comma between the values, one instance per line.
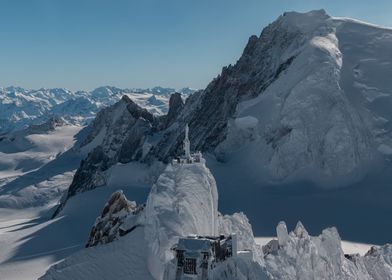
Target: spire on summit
x=188, y=157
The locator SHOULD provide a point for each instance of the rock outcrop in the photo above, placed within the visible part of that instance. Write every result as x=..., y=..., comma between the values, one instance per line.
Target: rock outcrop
x=47, y=126
x=118, y=217
x=116, y=135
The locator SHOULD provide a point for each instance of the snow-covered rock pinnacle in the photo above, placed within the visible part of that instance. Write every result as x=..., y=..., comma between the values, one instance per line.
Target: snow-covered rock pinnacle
x=117, y=213
x=321, y=257
x=184, y=201
x=282, y=234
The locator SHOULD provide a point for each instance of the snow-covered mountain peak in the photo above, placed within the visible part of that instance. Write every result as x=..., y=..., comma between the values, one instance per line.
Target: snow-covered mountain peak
x=320, y=106
x=304, y=22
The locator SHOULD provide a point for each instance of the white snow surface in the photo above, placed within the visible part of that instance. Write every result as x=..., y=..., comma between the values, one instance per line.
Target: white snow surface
x=321, y=257
x=327, y=117
x=183, y=201
x=123, y=259
x=347, y=246
x=35, y=169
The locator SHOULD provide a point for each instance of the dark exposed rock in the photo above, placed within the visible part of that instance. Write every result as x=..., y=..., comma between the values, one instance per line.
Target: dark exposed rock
x=47, y=126
x=175, y=107
x=110, y=225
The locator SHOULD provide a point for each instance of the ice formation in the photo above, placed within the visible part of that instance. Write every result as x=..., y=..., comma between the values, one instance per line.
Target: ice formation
x=184, y=201
x=281, y=232
x=308, y=257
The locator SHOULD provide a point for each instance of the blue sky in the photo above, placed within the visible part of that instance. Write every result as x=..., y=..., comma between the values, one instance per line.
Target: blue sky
x=82, y=44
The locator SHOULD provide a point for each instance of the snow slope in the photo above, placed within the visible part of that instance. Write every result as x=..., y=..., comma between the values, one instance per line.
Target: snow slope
x=122, y=259
x=30, y=241
x=36, y=167
x=325, y=118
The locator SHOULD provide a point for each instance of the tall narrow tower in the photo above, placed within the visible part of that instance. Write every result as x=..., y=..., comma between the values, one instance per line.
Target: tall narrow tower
x=187, y=144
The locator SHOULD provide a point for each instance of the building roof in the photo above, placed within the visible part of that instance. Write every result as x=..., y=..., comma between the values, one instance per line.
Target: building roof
x=199, y=244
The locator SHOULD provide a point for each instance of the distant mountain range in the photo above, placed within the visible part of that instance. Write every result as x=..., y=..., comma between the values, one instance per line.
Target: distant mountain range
x=21, y=107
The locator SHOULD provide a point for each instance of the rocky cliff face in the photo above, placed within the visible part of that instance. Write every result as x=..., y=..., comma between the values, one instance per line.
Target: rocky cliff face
x=118, y=217
x=116, y=135
x=47, y=126
x=208, y=112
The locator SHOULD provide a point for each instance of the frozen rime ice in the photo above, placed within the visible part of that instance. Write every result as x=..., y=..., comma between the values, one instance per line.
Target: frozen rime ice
x=321, y=257
x=282, y=234
x=183, y=201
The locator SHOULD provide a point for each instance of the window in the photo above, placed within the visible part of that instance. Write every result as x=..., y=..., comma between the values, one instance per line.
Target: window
x=180, y=258
x=190, y=266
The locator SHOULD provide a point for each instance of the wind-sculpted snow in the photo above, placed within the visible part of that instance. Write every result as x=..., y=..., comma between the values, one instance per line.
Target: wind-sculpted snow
x=307, y=257
x=238, y=223
x=378, y=262
x=305, y=120
x=183, y=201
